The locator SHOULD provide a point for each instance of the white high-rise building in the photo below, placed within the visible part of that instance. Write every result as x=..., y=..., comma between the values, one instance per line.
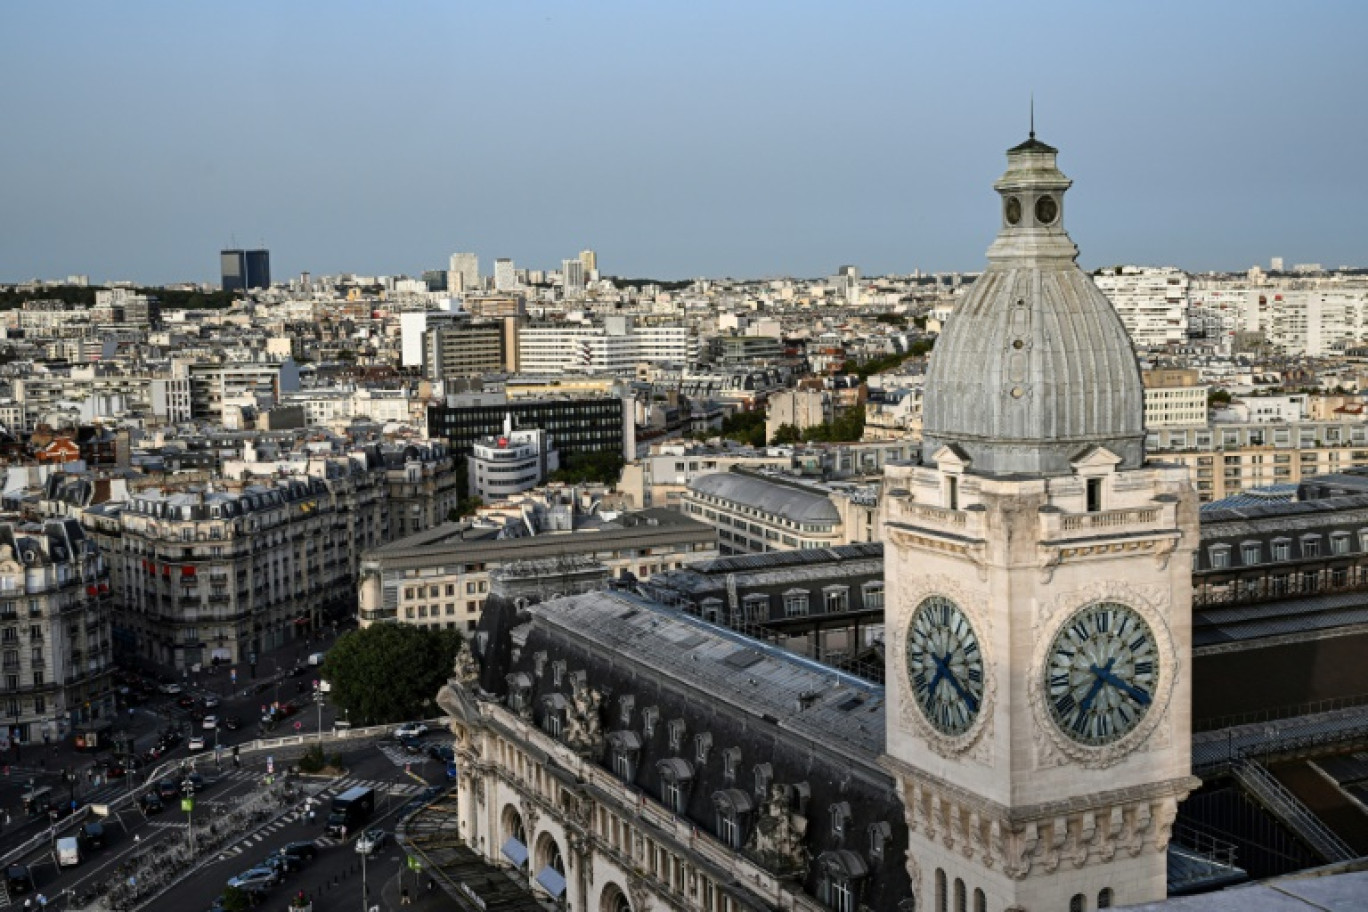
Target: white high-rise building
x=589, y=260
x=572, y=276
x=615, y=347
x=465, y=273
x=505, y=275
x=1152, y=302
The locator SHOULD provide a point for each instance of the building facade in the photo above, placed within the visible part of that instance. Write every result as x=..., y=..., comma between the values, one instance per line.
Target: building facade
x=56, y=651
x=509, y=464
x=578, y=425
x=754, y=513
x=442, y=578
x=242, y=270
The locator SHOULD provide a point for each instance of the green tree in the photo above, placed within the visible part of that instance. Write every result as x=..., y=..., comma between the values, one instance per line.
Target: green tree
x=1218, y=397
x=390, y=672
x=786, y=433
x=745, y=427
x=599, y=466
x=236, y=899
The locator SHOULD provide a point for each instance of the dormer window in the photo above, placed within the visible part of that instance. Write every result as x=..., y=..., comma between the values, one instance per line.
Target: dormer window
x=702, y=745
x=731, y=759
x=557, y=672
x=625, y=704
x=553, y=714
x=880, y=834
x=764, y=775
x=1339, y=543
x=1310, y=546
x=1251, y=553
x=649, y=716
x=1282, y=549
x=1220, y=557
x=676, y=734
x=840, y=819
x=624, y=748
x=676, y=776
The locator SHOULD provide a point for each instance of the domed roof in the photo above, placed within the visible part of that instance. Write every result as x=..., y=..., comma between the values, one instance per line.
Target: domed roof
x=1034, y=366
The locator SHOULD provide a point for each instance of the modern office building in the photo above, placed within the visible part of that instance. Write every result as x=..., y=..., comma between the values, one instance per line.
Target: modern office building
x=1174, y=398
x=579, y=425
x=616, y=346
x=572, y=276
x=505, y=275
x=510, y=463
x=464, y=274
x=243, y=270
x=1151, y=301
x=466, y=348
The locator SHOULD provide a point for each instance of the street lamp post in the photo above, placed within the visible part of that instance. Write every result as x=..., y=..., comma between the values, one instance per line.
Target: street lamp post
x=188, y=792
x=365, y=888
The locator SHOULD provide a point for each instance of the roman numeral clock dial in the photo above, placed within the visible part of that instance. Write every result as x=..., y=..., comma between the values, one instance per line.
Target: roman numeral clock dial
x=945, y=666
x=1102, y=673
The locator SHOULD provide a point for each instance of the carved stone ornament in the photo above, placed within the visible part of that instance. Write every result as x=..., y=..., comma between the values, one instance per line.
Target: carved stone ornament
x=638, y=892
x=1053, y=747
x=584, y=721
x=970, y=745
x=776, y=840
x=467, y=668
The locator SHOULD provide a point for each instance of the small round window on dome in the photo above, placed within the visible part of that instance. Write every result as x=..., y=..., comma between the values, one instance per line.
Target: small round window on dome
x=1046, y=210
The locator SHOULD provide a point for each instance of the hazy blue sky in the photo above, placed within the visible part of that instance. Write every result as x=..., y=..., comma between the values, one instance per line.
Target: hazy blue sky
x=677, y=139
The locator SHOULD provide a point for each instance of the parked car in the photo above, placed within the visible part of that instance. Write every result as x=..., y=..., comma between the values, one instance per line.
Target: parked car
x=411, y=730
x=151, y=803
x=196, y=743
x=254, y=879
x=370, y=841
x=211, y=702
x=171, y=688
x=168, y=788
x=210, y=723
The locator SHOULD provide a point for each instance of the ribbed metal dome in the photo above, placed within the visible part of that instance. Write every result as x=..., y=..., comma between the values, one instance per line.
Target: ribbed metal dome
x=1034, y=366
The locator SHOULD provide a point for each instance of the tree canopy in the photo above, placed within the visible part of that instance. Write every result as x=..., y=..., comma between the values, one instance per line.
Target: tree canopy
x=390, y=672
x=602, y=466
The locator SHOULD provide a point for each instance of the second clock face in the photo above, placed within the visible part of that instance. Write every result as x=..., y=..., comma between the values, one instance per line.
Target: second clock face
x=944, y=665
x=1102, y=673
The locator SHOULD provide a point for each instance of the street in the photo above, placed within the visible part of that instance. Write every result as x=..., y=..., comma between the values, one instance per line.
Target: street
x=151, y=846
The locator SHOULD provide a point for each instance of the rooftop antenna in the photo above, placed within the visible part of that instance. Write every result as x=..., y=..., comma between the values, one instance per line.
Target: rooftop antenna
x=1033, y=115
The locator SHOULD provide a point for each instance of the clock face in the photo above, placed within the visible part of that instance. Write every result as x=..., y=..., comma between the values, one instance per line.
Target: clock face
x=1013, y=211
x=1046, y=210
x=1102, y=673
x=944, y=665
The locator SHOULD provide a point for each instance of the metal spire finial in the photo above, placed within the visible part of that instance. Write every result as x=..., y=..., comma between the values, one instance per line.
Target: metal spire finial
x=1033, y=115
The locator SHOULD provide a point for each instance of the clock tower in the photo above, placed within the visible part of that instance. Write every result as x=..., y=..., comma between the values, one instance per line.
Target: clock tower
x=1039, y=580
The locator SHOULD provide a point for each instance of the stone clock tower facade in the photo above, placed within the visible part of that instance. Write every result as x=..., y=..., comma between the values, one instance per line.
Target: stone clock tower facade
x=1039, y=580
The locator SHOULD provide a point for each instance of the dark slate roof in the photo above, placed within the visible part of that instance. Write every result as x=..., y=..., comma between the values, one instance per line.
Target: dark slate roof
x=819, y=732
x=1033, y=145
x=1213, y=624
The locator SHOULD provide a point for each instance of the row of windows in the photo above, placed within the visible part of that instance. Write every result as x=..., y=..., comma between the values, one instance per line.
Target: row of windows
x=1251, y=552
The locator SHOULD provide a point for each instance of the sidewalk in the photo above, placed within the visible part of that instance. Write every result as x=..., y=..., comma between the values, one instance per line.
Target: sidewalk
x=421, y=899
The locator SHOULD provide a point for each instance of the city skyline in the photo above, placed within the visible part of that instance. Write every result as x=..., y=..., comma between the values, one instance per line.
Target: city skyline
x=711, y=141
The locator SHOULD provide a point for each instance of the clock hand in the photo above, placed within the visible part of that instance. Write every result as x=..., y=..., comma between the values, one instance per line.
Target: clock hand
x=1135, y=693
x=1086, y=704
x=943, y=668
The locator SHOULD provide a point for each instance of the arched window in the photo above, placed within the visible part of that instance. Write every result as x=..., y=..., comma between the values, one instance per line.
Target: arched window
x=980, y=901
x=614, y=900
x=960, y=902
x=1078, y=903
x=514, y=846
x=1104, y=898
x=941, y=899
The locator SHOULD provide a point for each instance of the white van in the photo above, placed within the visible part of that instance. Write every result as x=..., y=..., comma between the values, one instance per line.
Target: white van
x=316, y=658
x=68, y=851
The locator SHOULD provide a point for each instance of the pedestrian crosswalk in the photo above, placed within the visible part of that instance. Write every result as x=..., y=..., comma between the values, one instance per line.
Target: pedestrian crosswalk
x=398, y=790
